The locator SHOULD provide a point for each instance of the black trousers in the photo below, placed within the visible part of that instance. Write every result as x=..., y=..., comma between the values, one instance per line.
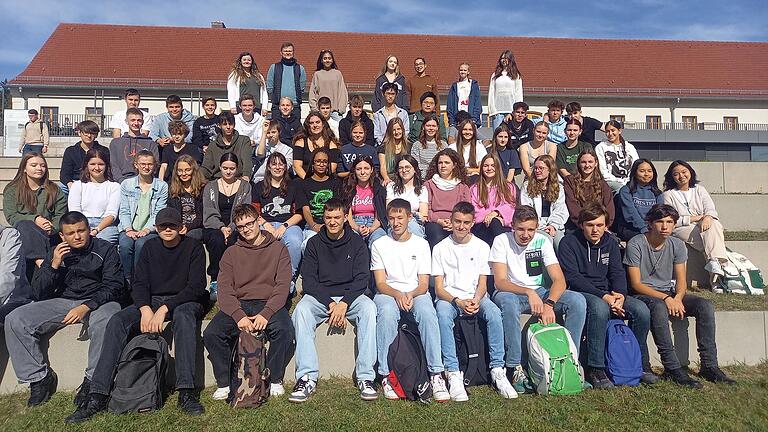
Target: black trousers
x=434, y=233
x=488, y=233
x=214, y=242
x=186, y=319
x=220, y=338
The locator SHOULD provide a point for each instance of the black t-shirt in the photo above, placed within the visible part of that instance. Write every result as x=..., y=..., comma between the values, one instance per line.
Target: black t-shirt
x=304, y=154
x=316, y=194
x=276, y=207
x=588, y=127
x=204, y=131
x=225, y=207
x=191, y=209
x=170, y=156
x=521, y=135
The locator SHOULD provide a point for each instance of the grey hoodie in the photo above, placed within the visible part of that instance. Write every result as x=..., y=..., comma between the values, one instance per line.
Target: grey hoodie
x=13, y=278
x=122, y=154
x=159, y=126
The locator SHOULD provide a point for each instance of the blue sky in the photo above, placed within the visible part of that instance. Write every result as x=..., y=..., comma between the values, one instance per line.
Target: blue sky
x=25, y=25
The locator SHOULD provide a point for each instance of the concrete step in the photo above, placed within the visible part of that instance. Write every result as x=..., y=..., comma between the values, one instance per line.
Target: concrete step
x=745, y=212
x=13, y=162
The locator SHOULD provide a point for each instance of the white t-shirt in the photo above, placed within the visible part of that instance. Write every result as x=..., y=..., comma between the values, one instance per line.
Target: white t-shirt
x=118, y=121
x=480, y=152
x=461, y=265
x=94, y=199
x=252, y=129
x=409, y=195
x=403, y=261
x=525, y=265
x=463, y=88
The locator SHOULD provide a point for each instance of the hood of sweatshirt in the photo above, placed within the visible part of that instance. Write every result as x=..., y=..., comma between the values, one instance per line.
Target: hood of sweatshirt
x=219, y=142
x=594, y=251
x=333, y=249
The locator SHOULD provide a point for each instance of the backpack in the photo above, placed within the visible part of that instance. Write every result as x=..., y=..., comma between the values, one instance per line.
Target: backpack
x=140, y=378
x=623, y=360
x=472, y=350
x=408, y=374
x=741, y=276
x=552, y=360
x=249, y=375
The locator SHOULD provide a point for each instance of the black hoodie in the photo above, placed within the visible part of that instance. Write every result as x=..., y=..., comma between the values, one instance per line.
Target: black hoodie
x=345, y=128
x=335, y=268
x=592, y=268
x=289, y=126
x=92, y=274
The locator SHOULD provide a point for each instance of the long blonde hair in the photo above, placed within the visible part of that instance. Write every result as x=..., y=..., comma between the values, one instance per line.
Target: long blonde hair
x=550, y=186
x=242, y=74
x=504, y=192
x=176, y=188
x=24, y=194
x=397, y=68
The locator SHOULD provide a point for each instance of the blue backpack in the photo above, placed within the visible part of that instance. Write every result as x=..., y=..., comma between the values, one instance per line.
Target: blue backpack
x=623, y=360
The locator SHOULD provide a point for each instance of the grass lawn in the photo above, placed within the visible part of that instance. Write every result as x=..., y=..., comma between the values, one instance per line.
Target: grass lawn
x=734, y=302
x=337, y=407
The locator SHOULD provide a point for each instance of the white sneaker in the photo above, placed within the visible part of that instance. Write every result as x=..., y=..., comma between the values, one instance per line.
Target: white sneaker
x=713, y=266
x=221, y=393
x=502, y=384
x=276, y=389
x=456, y=386
x=367, y=391
x=439, y=390
x=302, y=390
x=388, y=391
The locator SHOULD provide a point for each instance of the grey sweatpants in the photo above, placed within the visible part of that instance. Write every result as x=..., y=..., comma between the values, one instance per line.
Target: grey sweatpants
x=25, y=326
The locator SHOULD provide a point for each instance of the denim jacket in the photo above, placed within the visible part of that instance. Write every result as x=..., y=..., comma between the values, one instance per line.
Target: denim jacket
x=130, y=192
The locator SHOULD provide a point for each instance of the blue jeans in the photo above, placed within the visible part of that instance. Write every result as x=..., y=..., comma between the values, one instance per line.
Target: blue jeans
x=129, y=250
x=309, y=313
x=368, y=221
x=571, y=303
x=598, y=314
x=29, y=148
x=109, y=233
x=387, y=318
x=64, y=188
x=308, y=233
x=490, y=313
x=292, y=239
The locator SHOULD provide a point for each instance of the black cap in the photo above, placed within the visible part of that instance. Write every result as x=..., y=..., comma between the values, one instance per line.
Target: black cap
x=168, y=216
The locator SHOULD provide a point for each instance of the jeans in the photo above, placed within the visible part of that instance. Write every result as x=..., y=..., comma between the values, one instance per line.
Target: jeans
x=598, y=314
x=129, y=250
x=368, y=221
x=571, y=303
x=488, y=233
x=222, y=333
x=9, y=307
x=308, y=233
x=697, y=307
x=64, y=188
x=124, y=325
x=387, y=319
x=490, y=313
x=109, y=233
x=309, y=313
x=25, y=326
x=35, y=243
x=435, y=233
x=292, y=239
x=28, y=148
x=214, y=242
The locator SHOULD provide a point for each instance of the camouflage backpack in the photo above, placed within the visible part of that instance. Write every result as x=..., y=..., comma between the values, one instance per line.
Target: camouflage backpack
x=249, y=377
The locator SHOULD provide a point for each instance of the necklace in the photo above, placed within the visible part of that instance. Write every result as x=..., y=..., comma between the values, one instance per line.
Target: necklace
x=227, y=188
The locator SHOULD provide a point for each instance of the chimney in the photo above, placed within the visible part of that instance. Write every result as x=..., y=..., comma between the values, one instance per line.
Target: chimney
x=218, y=24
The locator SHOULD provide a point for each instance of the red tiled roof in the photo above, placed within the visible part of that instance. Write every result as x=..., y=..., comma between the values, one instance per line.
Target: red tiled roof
x=200, y=58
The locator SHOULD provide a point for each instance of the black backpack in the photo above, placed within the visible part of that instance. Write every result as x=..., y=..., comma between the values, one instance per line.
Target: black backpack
x=408, y=374
x=140, y=378
x=472, y=350
x=249, y=375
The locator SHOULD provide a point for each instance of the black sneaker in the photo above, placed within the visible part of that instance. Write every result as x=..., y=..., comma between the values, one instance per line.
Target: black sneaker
x=680, y=377
x=81, y=397
x=649, y=377
x=598, y=379
x=189, y=402
x=94, y=404
x=41, y=391
x=715, y=375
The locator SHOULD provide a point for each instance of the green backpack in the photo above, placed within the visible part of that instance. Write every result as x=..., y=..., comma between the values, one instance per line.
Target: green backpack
x=553, y=360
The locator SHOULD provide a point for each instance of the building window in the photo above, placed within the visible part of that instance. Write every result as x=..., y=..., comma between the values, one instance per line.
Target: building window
x=653, y=122
x=731, y=123
x=690, y=122
x=50, y=115
x=619, y=118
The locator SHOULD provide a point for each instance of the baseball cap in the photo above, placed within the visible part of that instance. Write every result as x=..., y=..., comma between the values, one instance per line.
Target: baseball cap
x=168, y=216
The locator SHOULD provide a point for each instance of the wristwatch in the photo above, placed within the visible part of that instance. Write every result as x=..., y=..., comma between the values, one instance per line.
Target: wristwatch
x=285, y=224
x=550, y=302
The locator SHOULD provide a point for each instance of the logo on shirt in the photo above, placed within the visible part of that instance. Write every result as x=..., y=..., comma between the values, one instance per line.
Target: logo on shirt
x=605, y=258
x=276, y=207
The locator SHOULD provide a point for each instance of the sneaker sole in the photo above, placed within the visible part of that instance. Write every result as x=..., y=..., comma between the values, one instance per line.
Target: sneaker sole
x=369, y=398
x=294, y=400
x=394, y=398
x=460, y=399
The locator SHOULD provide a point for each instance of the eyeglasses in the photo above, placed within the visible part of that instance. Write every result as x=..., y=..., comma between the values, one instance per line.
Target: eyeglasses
x=277, y=164
x=146, y=165
x=246, y=226
x=405, y=168
x=320, y=161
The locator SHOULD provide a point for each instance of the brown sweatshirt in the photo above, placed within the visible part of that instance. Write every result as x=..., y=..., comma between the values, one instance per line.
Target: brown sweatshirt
x=248, y=272
x=417, y=86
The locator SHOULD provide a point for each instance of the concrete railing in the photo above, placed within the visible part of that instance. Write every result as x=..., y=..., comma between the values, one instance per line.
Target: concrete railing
x=742, y=337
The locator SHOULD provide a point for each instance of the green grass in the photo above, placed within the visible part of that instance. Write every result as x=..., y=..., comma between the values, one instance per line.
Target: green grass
x=746, y=235
x=734, y=302
x=337, y=407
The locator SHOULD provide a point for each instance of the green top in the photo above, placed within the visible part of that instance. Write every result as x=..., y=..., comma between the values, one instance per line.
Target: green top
x=15, y=211
x=142, y=211
x=566, y=158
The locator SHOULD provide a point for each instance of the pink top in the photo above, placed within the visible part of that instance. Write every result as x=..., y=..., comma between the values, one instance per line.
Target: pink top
x=441, y=202
x=505, y=209
x=362, y=203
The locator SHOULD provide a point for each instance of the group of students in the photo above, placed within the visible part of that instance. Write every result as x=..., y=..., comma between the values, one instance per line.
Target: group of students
x=366, y=223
